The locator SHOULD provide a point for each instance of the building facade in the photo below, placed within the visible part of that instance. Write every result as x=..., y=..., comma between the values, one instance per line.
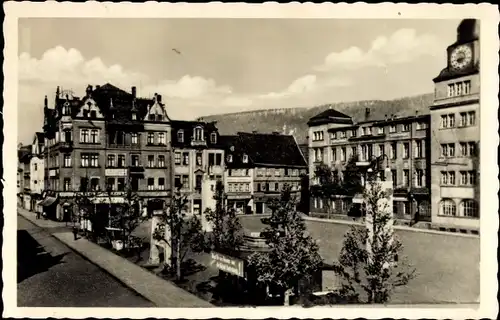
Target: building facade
x=102, y=145
x=258, y=167
x=455, y=116
x=399, y=142
x=37, y=172
x=23, y=176
x=198, y=161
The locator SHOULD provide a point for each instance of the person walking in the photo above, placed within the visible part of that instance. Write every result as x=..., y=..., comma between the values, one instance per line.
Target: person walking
x=38, y=215
x=75, y=233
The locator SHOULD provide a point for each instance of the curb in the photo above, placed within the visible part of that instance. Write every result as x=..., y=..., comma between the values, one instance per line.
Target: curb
x=453, y=231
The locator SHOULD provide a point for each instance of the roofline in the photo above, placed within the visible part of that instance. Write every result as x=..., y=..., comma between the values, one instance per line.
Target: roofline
x=327, y=120
x=300, y=150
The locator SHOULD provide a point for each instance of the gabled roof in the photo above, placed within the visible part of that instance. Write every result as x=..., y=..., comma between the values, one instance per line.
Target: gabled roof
x=40, y=137
x=328, y=116
x=188, y=128
x=270, y=149
x=24, y=154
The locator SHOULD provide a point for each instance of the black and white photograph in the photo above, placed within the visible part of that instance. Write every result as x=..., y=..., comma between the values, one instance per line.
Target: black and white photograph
x=209, y=159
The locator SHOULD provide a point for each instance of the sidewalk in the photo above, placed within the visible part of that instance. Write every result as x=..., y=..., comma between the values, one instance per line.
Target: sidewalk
x=161, y=292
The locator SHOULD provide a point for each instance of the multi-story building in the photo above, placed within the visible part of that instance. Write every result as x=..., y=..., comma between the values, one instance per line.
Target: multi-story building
x=399, y=142
x=258, y=166
x=198, y=161
x=455, y=133
x=103, y=144
x=23, y=176
x=37, y=172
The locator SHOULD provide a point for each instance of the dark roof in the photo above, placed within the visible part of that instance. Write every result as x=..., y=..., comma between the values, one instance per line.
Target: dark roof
x=305, y=150
x=188, y=128
x=330, y=115
x=270, y=149
x=40, y=137
x=24, y=153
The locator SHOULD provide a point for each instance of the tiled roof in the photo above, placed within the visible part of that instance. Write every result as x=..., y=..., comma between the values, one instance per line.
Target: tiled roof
x=270, y=149
x=327, y=115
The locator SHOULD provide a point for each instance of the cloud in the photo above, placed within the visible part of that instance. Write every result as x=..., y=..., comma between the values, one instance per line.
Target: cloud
x=402, y=46
x=190, y=87
x=299, y=86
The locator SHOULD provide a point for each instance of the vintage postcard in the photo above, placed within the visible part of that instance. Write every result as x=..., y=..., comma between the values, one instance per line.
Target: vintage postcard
x=250, y=161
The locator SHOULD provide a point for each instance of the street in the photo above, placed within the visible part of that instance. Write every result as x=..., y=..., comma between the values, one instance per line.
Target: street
x=49, y=274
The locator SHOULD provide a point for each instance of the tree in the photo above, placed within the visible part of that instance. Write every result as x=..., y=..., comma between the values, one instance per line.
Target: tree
x=293, y=255
x=181, y=233
x=369, y=257
x=227, y=233
x=352, y=178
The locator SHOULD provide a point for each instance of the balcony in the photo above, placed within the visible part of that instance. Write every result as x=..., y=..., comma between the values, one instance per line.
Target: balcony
x=66, y=145
x=198, y=143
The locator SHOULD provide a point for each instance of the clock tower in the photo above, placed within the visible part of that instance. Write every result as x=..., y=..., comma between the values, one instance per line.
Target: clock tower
x=455, y=133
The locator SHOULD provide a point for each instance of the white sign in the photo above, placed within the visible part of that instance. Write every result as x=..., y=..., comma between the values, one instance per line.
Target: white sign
x=53, y=172
x=119, y=172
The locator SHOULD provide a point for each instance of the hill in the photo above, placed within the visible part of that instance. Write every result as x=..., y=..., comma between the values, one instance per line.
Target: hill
x=294, y=121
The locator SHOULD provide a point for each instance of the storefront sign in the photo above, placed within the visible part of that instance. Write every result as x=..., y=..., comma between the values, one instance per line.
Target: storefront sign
x=121, y=172
x=228, y=264
x=53, y=172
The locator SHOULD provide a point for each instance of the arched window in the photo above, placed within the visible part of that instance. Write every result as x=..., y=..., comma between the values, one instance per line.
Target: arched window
x=424, y=209
x=198, y=133
x=469, y=208
x=213, y=137
x=447, y=207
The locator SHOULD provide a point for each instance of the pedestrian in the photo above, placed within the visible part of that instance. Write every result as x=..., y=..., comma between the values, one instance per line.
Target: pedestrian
x=75, y=233
x=38, y=215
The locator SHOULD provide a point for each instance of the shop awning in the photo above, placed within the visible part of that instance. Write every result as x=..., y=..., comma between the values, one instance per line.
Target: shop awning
x=48, y=201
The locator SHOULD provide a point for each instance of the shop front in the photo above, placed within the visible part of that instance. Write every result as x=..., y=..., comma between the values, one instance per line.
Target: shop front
x=241, y=203
x=49, y=204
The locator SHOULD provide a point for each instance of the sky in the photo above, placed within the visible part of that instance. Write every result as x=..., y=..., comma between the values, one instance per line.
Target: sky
x=212, y=66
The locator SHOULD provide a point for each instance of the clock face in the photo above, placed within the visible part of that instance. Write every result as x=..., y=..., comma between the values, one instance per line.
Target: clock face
x=461, y=57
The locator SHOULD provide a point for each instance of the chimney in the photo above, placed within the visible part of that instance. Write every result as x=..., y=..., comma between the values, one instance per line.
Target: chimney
x=45, y=103
x=385, y=117
x=89, y=89
x=134, y=91
x=367, y=112
x=416, y=112
x=158, y=98
x=97, y=87
x=57, y=92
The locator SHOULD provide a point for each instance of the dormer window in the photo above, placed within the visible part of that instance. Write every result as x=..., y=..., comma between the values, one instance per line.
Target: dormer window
x=85, y=113
x=213, y=137
x=230, y=158
x=159, y=117
x=93, y=114
x=198, y=134
x=245, y=158
x=66, y=109
x=152, y=117
x=134, y=116
x=180, y=135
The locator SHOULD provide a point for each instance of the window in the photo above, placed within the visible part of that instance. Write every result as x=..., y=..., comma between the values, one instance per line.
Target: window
x=354, y=133
x=448, y=207
x=161, y=138
x=213, y=137
x=451, y=149
x=333, y=135
x=419, y=179
x=394, y=174
x=406, y=177
x=185, y=158
x=84, y=135
x=67, y=184
x=94, y=184
x=366, y=131
x=469, y=208
x=67, y=160
x=94, y=136
x=134, y=138
x=468, y=178
x=318, y=135
x=276, y=186
x=161, y=183
x=211, y=159
x=151, y=117
x=405, y=127
x=230, y=158
x=111, y=160
x=472, y=118
x=177, y=181
x=121, y=160
x=259, y=188
x=393, y=150
x=444, y=121
x=185, y=182
x=448, y=178
x=177, y=158
x=392, y=128
x=159, y=117
x=472, y=149
x=198, y=134
x=161, y=161
x=380, y=130
x=419, y=153
x=354, y=151
x=151, y=183
x=451, y=120
x=334, y=154
x=343, y=154
x=447, y=121
x=444, y=150
x=134, y=116
x=406, y=150
x=110, y=184
x=151, y=138
x=459, y=88
x=198, y=181
x=180, y=135
x=85, y=160
x=151, y=161
x=318, y=155
x=121, y=184
x=421, y=125
x=444, y=177
x=277, y=172
x=342, y=134
x=218, y=159
x=135, y=160
x=245, y=158
x=94, y=160
x=381, y=149
x=84, y=183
